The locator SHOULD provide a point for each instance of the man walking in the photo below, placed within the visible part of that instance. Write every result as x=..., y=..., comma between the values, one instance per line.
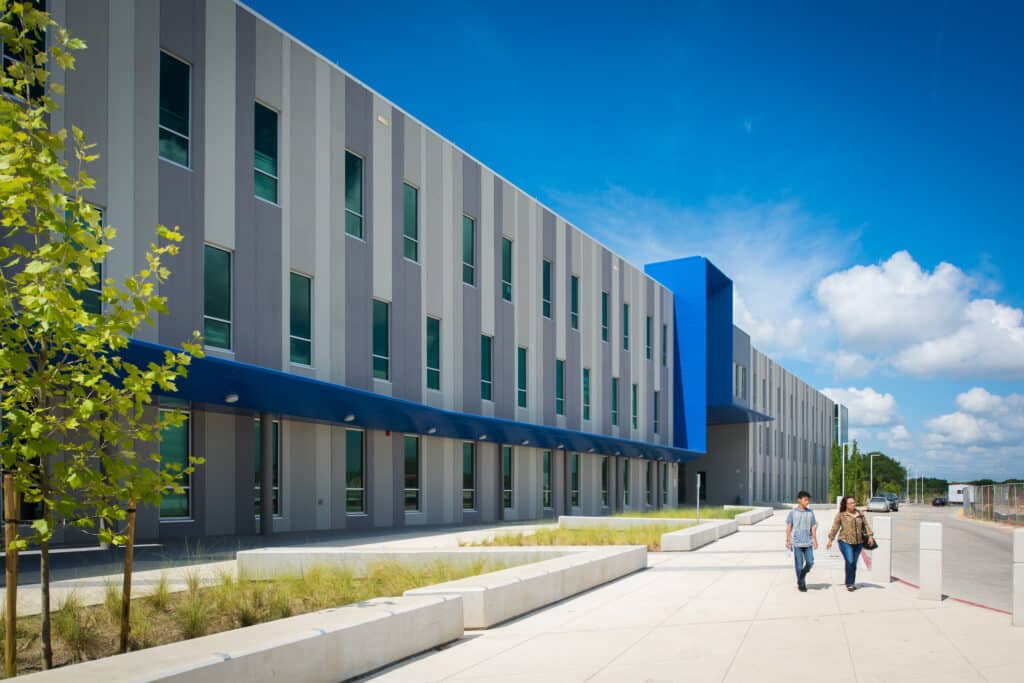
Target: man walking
x=802, y=538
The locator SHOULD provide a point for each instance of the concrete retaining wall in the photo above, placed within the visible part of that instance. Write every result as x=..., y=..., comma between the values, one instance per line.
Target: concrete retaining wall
x=758, y=514
x=581, y=522
x=694, y=537
x=330, y=645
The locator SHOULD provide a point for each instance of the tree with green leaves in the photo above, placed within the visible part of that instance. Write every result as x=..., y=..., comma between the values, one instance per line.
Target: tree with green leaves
x=73, y=411
x=856, y=473
x=835, y=473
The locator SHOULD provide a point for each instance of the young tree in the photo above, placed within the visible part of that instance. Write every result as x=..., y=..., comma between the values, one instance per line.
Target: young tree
x=856, y=475
x=72, y=409
x=835, y=473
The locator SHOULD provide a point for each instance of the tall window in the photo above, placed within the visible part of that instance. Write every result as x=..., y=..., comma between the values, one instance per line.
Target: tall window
x=412, y=473
x=275, y=465
x=560, y=387
x=175, y=101
x=217, y=297
x=657, y=401
x=355, y=465
x=574, y=302
x=468, y=250
x=433, y=353
x=506, y=269
x=545, y=301
x=625, y=483
x=301, y=320
x=521, y=373
x=605, y=464
x=353, y=194
x=506, y=476
x=664, y=346
x=664, y=483
x=410, y=222
x=586, y=393
x=635, y=405
x=574, y=479
x=468, y=475
x=649, y=490
x=604, y=316
x=486, y=367
x=647, y=337
x=546, y=479
x=174, y=453
x=265, y=162
x=625, y=326
x=615, y=401
x=381, y=340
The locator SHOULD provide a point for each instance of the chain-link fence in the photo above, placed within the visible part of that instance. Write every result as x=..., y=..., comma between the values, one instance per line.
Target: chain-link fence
x=997, y=503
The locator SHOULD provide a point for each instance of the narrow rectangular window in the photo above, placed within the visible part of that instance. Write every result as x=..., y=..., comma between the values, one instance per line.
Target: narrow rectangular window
x=574, y=302
x=657, y=396
x=506, y=269
x=605, y=464
x=468, y=475
x=664, y=346
x=506, y=477
x=625, y=483
x=586, y=393
x=635, y=401
x=486, y=367
x=615, y=401
x=265, y=153
x=545, y=300
x=301, y=320
x=625, y=327
x=275, y=465
x=353, y=194
x=216, y=297
x=355, y=465
x=647, y=337
x=664, y=483
x=175, y=121
x=546, y=479
x=433, y=354
x=411, y=222
x=468, y=250
x=560, y=387
x=412, y=473
x=604, y=316
x=381, y=340
x=521, y=373
x=174, y=455
x=574, y=479
x=649, y=489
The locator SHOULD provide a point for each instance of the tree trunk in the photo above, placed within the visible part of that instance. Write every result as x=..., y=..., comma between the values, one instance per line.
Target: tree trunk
x=126, y=590
x=44, y=569
x=11, y=589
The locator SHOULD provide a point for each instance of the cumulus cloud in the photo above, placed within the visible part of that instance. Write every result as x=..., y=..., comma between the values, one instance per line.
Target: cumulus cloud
x=896, y=438
x=868, y=408
x=985, y=420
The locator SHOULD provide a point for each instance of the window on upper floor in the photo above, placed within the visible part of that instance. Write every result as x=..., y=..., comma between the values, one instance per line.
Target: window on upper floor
x=265, y=154
x=174, y=119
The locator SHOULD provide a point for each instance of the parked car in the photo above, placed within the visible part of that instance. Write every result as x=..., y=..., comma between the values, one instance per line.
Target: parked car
x=938, y=500
x=878, y=504
x=894, y=501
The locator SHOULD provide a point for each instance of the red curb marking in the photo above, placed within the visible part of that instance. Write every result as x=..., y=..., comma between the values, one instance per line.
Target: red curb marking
x=960, y=600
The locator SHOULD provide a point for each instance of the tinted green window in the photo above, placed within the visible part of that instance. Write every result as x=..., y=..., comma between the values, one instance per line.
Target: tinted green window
x=635, y=402
x=625, y=482
x=468, y=475
x=647, y=338
x=174, y=123
x=506, y=476
x=625, y=326
x=615, y=401
x=657, y=397
x=275, y=463
x=412, y=473
x=468, y=250
x=381, y=341
x=546, y=289
x=411, y=222
x=355, y=483
x=353, y=195
x=604, y=480
x=521, y=373
x=604, y=316
x=486, y=367
x=664, y=345
x=266, y=153
x=574, y=479
x=217, y=297
x=649, y=488
x=560, y=387
x=433, y=353
x=546, y=476
x=586, y=393
x=301, y=325
x=574, y=302
x=506, y=269
x=174, y=452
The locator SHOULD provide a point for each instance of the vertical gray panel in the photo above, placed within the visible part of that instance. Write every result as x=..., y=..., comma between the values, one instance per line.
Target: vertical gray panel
x=504, y=356
x=408, y=360
x=358, y=254
x=647, y=386
x=85, y=94
x=573, y=346
x=397, y=455
x=625, y=369
x=471, y=305
x=546, y=357
x=602, y=379
x=245, y=474
x=300, y=449
x=337, y=478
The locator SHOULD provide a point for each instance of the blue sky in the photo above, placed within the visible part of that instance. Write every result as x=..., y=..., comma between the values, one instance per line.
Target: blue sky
x=855, y=169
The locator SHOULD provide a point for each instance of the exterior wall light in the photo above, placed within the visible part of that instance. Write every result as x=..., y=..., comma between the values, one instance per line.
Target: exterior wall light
x=432, y=430
x=349, y=418
x=231, y=398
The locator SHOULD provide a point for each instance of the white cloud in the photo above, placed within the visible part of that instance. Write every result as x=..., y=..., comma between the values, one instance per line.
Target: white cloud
x=985, y=420
x=896, y=438
x=867, y=407
x=850, y=364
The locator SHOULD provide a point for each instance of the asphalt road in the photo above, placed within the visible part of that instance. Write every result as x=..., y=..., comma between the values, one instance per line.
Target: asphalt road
x=976, y=556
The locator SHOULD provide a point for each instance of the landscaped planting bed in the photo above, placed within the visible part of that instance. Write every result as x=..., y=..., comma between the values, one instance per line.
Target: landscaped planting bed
x=649, y=536
x=710, y=512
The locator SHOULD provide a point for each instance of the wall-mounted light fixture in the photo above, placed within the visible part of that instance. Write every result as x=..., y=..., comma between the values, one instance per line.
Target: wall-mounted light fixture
x=231, y=398
x=349, y=418
x=432, y=430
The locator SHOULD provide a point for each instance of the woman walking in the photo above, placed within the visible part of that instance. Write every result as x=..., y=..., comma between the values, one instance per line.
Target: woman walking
x=853, y=529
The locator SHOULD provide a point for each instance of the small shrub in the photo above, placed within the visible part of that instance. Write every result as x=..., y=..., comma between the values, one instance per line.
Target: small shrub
x=193, y=616
x=160, y=598
x=143, y=633
x=192, y=582
x=112, y=602
x=74, y=626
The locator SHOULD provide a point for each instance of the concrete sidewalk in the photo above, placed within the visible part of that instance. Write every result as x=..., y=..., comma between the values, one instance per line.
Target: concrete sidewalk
x=731, y=612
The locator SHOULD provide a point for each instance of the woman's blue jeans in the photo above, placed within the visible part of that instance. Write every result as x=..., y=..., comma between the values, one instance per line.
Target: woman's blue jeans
x=850, y=555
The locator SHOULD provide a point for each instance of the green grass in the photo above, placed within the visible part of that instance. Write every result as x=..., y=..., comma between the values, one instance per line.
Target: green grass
x=649, y=536
x=710, y=512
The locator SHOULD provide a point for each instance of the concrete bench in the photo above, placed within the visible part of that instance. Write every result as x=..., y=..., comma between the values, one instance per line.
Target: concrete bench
x=758, y=514
x=581, y=522
x=329, y=645
x=496, y=597
x=694, y=537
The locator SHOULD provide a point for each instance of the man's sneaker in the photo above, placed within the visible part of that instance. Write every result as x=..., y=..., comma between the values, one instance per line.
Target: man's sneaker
x=802, y=588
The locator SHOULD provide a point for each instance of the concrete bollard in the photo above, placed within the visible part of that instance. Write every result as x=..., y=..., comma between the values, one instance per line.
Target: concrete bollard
x=881, y=557
x=1018, y=577
x=930, y=572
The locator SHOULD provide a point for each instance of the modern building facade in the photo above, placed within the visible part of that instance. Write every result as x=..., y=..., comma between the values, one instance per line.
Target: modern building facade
x=430, y=344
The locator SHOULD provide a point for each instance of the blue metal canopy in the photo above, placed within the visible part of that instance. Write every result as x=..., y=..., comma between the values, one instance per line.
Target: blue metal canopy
x=211, y=380
x=734, y=413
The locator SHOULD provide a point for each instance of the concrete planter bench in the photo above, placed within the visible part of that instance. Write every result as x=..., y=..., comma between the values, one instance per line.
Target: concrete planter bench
x=758, y=514
x=330, y=645
x=580, y=522
x=694, y=537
